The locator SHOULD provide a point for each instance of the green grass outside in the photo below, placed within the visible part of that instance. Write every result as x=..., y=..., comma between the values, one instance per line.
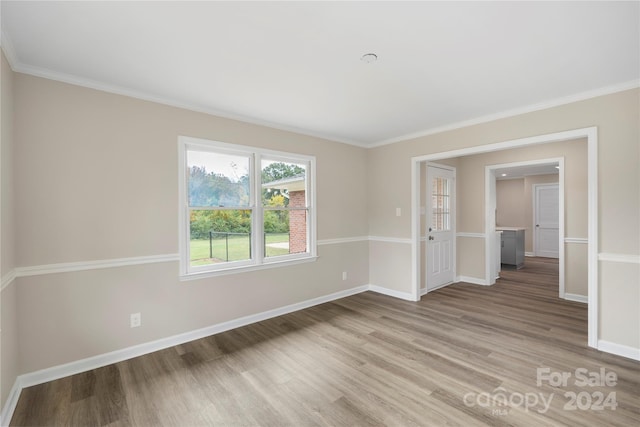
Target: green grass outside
x=238, y=249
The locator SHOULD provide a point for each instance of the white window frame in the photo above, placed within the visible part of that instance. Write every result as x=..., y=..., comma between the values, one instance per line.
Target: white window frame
x=258, y=260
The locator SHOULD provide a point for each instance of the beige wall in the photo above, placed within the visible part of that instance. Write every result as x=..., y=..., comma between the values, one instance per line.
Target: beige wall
x=510, y=203
x=393, y=272
x=616, y=117
x=8, y=318
x=7, y=261
x=98, y=179
x=576, y=263
x=515, y=201
x=471, y=173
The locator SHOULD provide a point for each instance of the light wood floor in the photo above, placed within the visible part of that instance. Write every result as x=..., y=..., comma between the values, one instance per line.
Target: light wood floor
x=365, y=360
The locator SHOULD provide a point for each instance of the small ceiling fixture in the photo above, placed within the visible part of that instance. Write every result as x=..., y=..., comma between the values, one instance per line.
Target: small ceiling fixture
x=369, y=58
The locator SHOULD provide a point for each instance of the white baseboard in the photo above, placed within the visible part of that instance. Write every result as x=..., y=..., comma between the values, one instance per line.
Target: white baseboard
x=425, y=290
x=83, y=365
x=11, y=403
x=472, y=280
x=529, y=254
x=391, y=292
x=577, y=298
x=619, y=349
x=94, y=362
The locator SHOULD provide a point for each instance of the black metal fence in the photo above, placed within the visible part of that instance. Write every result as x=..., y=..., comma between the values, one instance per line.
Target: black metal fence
x=225, y=235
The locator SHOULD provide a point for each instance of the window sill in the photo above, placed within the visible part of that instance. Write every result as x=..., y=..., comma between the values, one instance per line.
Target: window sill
x=245, y=269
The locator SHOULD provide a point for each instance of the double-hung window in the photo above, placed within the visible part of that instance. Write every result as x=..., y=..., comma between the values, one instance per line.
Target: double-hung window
x=243, y=208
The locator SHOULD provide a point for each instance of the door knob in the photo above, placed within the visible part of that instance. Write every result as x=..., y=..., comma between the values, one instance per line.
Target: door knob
x=430, y=237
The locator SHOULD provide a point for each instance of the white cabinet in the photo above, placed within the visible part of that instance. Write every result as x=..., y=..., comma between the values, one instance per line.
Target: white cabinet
x=498, y=252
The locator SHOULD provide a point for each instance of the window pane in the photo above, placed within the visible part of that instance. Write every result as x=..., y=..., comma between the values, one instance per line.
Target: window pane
x=282, y=181
x=285, y=231
x=440, y=200
x=241, y=205
x=219, y=236
x=218, y=179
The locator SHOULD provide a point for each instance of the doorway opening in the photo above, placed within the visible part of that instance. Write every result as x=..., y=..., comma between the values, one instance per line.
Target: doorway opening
x=512, y=199
x=590, y=134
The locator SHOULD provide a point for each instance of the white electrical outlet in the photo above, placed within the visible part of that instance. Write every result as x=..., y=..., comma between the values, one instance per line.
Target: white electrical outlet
x=398, y=212
x=344, y=275
x=136, y=320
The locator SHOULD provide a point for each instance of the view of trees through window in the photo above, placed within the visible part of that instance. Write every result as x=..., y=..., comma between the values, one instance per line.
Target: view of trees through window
x=220, y=209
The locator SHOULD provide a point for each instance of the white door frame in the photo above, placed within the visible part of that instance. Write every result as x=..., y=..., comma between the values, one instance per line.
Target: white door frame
x=591, y=134
x=535, y=203
x=453, y=222
x=490, y=220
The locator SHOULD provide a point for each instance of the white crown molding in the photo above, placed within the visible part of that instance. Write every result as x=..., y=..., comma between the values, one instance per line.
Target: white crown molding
x=623, y=258
x=19, y=67
x=7, y=279
x=607, y=90
x=7, y=48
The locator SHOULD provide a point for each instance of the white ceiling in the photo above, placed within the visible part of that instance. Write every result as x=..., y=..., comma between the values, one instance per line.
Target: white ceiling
x=527, y=170
x=296, y=65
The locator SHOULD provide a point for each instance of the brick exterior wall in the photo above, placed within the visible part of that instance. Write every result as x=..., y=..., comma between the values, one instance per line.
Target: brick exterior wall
x=297, y=223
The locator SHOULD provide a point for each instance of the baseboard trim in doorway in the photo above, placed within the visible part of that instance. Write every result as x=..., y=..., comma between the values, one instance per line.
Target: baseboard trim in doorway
x=472, y=280
x=11, y=403
x=391, y=292
x=577, y=298
x=619, y=349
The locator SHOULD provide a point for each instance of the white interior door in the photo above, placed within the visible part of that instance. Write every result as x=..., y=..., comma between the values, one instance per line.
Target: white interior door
x=547, y=220
x=440, y=222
